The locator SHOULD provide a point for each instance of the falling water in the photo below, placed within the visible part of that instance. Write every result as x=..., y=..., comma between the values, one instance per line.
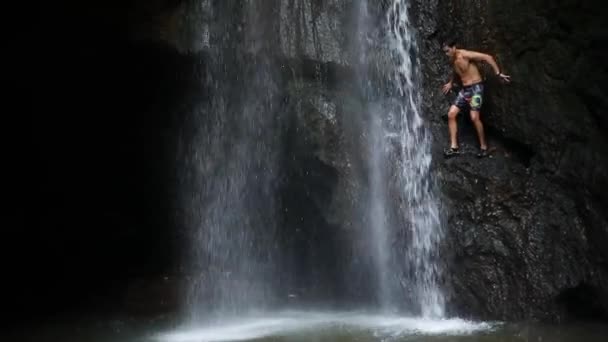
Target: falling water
x=419, y=205
x=376, y=226
x=229, y=175
x=403, y=228
x=229, y=150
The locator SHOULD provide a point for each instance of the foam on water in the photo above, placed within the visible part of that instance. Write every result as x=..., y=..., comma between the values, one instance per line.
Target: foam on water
x=291, y=322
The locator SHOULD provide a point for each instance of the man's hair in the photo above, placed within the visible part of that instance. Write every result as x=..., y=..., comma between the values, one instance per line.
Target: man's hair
x=450, y=42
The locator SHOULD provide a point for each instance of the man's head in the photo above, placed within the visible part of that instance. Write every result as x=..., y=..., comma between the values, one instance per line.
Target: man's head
x=449, y=47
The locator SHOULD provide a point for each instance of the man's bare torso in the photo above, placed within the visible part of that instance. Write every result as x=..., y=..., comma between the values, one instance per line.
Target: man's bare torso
x=468, y=71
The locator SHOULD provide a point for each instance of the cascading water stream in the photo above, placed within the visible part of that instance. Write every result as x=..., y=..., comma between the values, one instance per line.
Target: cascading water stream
x=420, y=205
x=229, y=173
x=376, y=230
x=403, y=227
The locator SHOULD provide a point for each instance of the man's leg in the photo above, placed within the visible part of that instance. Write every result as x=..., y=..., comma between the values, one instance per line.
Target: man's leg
x=479, y=128
x=476, y=103
x=453, y=126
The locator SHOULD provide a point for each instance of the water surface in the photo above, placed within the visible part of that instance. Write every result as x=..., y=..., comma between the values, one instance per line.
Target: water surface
x=301, y=326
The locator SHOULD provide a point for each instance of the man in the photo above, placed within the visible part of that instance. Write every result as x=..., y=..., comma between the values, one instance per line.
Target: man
x=471, y=94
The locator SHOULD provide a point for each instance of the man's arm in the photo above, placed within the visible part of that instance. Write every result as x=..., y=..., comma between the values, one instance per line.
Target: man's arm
x=448, y=86
x=478, y=56
x=451, y=80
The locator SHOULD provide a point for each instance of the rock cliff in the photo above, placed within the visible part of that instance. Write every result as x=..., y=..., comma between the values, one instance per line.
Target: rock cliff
x=527, y=227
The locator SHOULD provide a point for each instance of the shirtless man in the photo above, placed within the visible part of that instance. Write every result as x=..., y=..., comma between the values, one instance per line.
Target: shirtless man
x=471, y=94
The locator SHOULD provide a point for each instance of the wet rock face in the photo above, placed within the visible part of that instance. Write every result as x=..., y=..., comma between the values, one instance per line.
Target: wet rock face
x=315, y=29
x=312, y=30
x=528, y=227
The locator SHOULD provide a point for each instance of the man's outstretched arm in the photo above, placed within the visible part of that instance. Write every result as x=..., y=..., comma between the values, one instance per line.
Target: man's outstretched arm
x=478, y=56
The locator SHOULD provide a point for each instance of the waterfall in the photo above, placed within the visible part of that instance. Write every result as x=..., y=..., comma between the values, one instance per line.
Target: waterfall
x=229, y=155
x=403, y=227
x=376, y=224
x=228, y=150
x=420, y=205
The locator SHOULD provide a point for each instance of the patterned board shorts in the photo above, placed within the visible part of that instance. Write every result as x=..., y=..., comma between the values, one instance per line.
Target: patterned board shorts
x=470, y=96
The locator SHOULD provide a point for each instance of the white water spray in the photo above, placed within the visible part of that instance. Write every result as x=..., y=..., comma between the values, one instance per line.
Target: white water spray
x=420, y=205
